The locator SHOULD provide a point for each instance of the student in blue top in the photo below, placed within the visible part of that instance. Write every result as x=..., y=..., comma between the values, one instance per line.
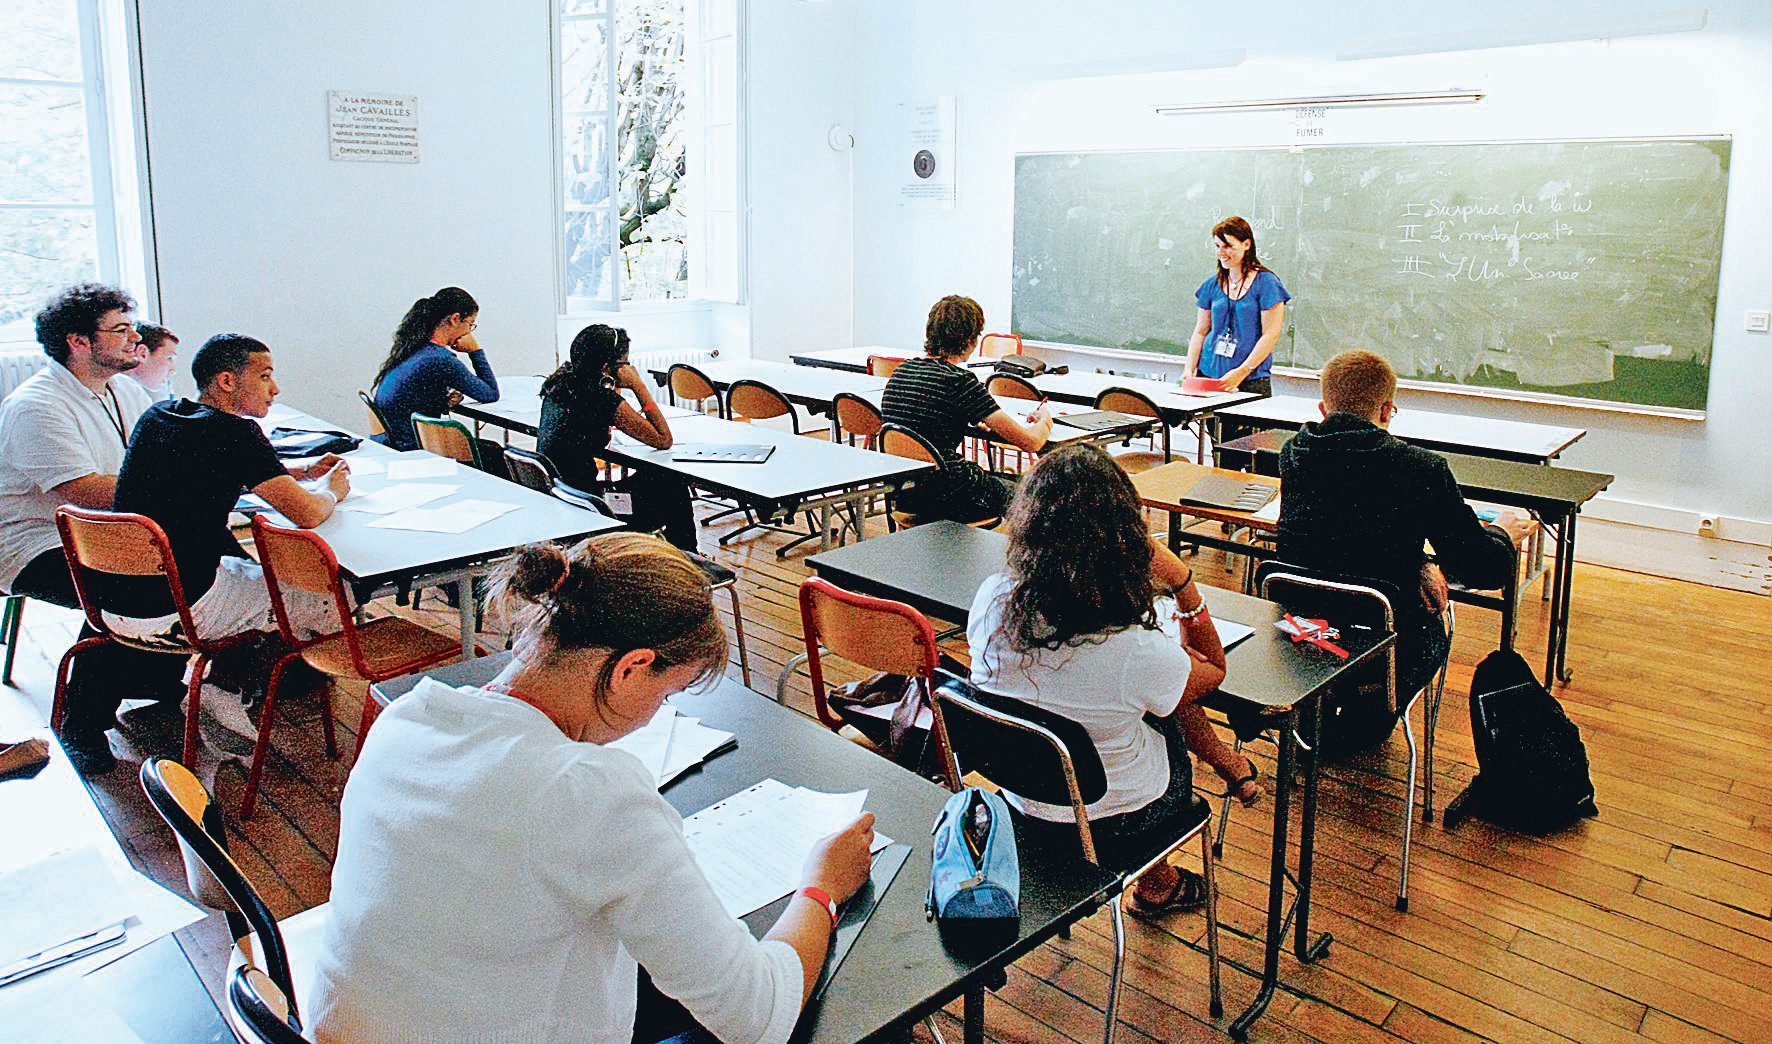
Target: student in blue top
x=422, y=375
x=1242, y=311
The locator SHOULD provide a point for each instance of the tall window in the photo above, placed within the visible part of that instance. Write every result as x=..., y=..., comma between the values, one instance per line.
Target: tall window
x=644, y=109
x=58, y=219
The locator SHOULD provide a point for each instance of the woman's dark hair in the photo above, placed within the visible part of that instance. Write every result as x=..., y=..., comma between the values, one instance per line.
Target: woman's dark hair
x=1238, y=228
x=1079, y=553
x=420, y=321
x=76, y=312
x=596, y=353
x=954, y=323
x=617, y=591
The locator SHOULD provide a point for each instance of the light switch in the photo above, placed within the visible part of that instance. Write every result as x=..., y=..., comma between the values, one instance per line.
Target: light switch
x=1759, y=322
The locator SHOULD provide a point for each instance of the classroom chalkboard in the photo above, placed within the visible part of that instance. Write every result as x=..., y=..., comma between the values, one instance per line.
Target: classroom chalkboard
x=1579, y=269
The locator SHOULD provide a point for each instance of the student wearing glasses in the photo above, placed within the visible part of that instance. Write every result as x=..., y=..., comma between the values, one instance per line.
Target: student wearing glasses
x=63, y=434
x=423, y=375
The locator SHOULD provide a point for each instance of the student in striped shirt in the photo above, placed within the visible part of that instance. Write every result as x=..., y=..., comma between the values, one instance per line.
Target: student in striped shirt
x=940, y=400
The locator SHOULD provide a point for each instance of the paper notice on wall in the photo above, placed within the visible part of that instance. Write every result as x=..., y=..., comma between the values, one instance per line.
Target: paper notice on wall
x=927, y=155
x=372, y=127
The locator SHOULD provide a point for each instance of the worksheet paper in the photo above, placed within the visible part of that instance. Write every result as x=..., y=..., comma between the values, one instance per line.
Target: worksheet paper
x=366, y=465
x=1270, y=512
x=458, y=517
x=752, y=847
x=51, y=901
x=389, y=499
x=672, y=744
x=420, y=466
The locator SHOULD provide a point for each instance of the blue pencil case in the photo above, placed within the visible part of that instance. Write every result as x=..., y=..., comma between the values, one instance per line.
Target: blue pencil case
x=976, y=871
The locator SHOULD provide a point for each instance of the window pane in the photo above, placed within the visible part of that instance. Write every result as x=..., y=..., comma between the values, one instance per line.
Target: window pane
x=588, y=239
x=585, y=148
x=578, y=7
x=584, y=66
x=43, y=146
x=650, y=129
x=718, y=17
x=41, y=40
x=42, y=251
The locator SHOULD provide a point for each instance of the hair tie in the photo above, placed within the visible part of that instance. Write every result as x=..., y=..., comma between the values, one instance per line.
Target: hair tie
x=560, y=581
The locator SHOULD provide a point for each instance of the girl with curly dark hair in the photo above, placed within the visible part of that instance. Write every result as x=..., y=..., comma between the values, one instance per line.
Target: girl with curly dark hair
x=1094, y=620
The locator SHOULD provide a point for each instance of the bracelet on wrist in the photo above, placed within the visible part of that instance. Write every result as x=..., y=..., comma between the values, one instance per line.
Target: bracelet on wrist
x=822, y=898
x=1184, y=615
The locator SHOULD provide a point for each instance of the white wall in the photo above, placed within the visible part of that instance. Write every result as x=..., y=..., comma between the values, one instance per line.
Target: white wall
x=998, y=57
x=258, y=231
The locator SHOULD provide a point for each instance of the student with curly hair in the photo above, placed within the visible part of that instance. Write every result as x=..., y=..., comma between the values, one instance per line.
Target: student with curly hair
x=1095, y=621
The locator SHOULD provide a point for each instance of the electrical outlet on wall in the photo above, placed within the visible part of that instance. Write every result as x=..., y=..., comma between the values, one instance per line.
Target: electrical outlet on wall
x=1707, y=525
x=1759, y=321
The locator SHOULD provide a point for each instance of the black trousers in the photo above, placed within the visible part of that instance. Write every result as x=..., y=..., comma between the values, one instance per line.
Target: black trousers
x=104, y=677
x=662, y=503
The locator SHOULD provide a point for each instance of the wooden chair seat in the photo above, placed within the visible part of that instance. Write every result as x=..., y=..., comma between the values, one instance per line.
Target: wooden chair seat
x=905, y=520
x=391, y=647
x=1133, y=462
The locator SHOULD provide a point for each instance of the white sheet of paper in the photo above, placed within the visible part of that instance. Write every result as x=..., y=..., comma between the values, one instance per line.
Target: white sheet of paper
x=1230, y=632
x=366, y=465
x=71, y=1012
x=420, y=466
x=753, y=845
x=49, y=902
x=389, y=499
x=1270, y=513
x=672, y=744
x=458, y=517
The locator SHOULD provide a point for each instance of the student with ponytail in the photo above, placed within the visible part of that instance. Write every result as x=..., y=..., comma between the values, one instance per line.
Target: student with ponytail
x=502, y=871
x=422, y=375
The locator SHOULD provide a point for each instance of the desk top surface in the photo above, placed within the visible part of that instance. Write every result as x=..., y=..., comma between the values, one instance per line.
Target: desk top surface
x=367, y=553
x=1444, y=431
x=898, y=968
x=854, y=359
x=938, y=569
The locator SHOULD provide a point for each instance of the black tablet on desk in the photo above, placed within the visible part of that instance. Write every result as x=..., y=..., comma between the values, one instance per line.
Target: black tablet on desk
x=722, y=453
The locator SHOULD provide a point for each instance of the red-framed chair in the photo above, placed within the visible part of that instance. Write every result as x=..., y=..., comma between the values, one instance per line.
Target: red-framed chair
x=876, y=633
x=997, y=345
x=113, y=544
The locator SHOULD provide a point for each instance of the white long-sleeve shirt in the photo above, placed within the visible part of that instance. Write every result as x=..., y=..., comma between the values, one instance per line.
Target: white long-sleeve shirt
x=496, y=881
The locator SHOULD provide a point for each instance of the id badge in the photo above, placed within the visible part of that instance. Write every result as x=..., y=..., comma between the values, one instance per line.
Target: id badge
x=621, y=503
x=1225, y=346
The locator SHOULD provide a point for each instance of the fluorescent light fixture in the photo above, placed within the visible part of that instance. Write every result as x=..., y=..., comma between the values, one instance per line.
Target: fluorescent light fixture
x=1184, y=61
x=1679, y=20
x=1350, y=101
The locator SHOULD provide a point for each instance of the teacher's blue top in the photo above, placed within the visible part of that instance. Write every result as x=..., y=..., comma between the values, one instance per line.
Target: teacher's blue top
x=422, y=383
x=1240, y=320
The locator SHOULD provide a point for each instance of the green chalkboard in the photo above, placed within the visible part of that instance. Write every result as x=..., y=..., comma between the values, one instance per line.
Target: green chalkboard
x=1584, y=269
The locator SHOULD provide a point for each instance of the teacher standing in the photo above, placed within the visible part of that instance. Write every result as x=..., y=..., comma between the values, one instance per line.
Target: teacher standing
x=1242, y=311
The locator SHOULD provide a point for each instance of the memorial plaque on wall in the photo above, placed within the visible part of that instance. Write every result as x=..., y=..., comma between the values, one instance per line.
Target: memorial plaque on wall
x=372, y=127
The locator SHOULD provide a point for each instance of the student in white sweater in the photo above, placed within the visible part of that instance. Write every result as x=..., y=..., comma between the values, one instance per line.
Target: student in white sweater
x=1095, y=621
x=501, y=871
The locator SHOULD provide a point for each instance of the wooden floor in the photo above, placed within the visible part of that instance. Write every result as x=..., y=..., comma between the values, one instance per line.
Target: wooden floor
x=1654, y=920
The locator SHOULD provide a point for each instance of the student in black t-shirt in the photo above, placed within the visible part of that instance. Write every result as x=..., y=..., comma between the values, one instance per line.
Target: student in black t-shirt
x=941, y=400
x=188, y=462
x=581, y=403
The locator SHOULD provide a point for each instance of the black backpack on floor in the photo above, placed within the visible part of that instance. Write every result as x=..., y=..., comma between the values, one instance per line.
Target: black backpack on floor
x=1532, y=769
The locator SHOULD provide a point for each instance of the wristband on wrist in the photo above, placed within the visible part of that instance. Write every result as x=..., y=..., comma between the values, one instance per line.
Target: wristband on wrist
x=822, y=898
x=1185, y=615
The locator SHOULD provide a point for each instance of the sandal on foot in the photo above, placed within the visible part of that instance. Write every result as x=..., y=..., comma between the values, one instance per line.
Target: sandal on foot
x=1236, y=786
x=1187, y=893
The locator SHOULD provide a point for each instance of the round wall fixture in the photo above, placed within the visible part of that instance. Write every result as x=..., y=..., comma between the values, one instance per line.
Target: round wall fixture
x=839, y=138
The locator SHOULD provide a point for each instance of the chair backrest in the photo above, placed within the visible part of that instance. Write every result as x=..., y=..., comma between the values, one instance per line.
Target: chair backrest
x=1010, y=386
x=856, y=416
x=378, y=424
x=302, y=559
x=876, y=633
x=1031, y=751
x=997, y=345
x=691, y=385
x=1137, y=403
x=215, y=880
x=260, y=1009
x=103, y=544
x=1344, y=601
x=901, y=441
x=446, y=437
x=883, y=365
x=530, y=468
x=581, y=499
x=758, y=401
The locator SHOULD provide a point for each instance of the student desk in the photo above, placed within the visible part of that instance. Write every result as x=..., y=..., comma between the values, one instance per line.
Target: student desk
x=855, y=360
x=807, y=386
x=1553, y=495
x=938, y=568
x=898, y=970
x=802, y=473
x=372, y=557
x=518, y=408
x=1447, y=432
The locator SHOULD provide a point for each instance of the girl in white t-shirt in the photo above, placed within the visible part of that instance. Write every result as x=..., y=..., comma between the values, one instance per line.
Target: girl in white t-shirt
x=1094, y=620
x=502, y=870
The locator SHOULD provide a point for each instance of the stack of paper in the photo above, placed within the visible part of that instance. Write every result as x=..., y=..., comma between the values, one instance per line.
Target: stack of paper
x=56, y=900
x=458, y=517
x=752, y=847
x=672, y=744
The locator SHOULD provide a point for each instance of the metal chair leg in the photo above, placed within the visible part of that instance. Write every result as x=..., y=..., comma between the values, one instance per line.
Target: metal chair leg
x=787, y=671
x=1224, y=812
x=744, y=658
x=1207, y=861
x=1432, y=718
x=1408, y=813
x=1112, y=1014
x=9, y=628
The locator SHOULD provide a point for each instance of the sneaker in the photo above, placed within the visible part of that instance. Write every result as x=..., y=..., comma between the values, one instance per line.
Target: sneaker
x=226, y=723
x=89, y=753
